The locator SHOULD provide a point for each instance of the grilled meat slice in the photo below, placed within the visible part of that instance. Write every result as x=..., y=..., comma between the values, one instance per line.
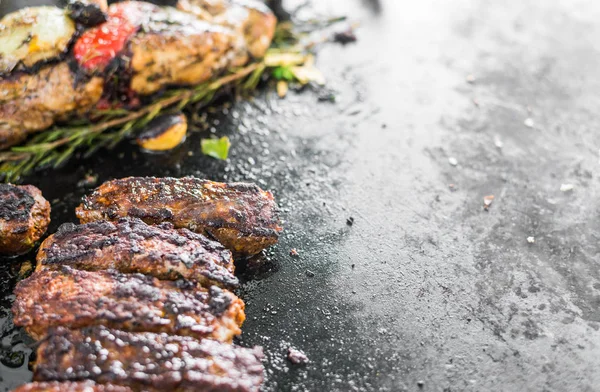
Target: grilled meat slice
x=33, y=102
x=147, y=361
x=24, y=218
x=251, y=20
x=129, y=302
x=130, y=245
x=242, y=217
x=81, y=386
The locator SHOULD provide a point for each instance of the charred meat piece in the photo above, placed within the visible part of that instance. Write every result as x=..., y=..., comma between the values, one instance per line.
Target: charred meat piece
x=130, y=246
x=241, y=216
x=88, y=13
x=157, y=46
x=81, y=386
x=147, y=361
x=252, y=21
x=129, y=302
x=24, y=218
x=33, y=102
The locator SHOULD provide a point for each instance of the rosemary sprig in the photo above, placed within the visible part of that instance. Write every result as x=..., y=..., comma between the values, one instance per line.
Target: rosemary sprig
x=55, y=146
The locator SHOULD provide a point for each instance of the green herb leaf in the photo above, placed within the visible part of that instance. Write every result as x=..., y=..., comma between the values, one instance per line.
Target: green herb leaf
x=283, y=72
x=216, y=148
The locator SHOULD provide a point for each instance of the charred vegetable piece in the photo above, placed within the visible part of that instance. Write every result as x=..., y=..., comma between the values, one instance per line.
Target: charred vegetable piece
x=164, y=133
x=32, y=35
x=243, y=217
x=89, y=13
x=129, y=302
x=24, y=218
x=97, y=47
x=130, y=245
x=148, y=361
x=81, y=386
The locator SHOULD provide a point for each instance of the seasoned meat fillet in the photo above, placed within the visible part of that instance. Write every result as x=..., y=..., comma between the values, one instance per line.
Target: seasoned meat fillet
x=242, y=217
x=33, y=102
x=130, y=245
x=147, y=361
x=24, y=218
x=252, y=21
x=81, y=386
x=129, y=302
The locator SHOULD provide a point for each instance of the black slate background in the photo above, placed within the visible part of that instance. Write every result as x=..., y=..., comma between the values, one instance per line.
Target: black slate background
x=426, y=290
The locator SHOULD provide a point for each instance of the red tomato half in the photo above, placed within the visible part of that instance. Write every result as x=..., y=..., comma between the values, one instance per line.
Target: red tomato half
x=98, y=46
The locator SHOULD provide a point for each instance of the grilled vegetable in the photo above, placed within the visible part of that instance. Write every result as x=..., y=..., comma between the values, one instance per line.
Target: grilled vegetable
x=24, y=218
x=243, y=217
x=33, y=35
x=129, y=302
x=164, y=133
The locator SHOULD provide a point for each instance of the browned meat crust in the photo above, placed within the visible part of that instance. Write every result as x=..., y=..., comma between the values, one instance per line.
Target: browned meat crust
x=252, y=21
x=176, y=48
x=24, y=218
x=82, y=386
x=129, y=302
x=130, y=245
x=32, y=102
x=148, y=361
x=241, y=216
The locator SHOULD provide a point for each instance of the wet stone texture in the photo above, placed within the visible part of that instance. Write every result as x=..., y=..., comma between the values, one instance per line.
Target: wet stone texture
x=437, y=106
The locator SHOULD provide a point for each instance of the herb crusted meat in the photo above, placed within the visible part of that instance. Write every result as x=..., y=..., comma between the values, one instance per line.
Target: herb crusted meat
x=130, y=245
x=24, y=218
x=129, y=302
x=147, y=361
x=243, y=217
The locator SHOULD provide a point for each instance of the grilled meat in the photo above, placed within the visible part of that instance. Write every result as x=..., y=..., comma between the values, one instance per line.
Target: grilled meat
x=33, y=102
x=87, y=12
x=147, y=361
x=130, y=245
x=242, y=217
x=129, y=302
x=252, y=21
x=24, y=218
x=157, y=46
x=81, y=386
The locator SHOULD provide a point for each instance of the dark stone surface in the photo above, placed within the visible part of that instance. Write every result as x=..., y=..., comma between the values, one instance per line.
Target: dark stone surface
x=425, y=291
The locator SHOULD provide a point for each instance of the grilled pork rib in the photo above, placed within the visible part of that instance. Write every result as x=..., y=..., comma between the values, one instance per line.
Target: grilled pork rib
x=81, y=386
x=241, y=216
x=130, y=245
x=24, y=218
x=129, y=302
x=147, y=361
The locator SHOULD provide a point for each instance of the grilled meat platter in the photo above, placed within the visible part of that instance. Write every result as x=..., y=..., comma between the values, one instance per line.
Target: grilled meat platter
x=129, y=305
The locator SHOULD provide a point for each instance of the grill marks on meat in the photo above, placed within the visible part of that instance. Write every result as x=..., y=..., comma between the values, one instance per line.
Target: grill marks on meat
x=33, y=102
x=132, y=302
x=81, y=386
x=132, y=246
x=241, y=216
x=24, y=218
x=147, y=361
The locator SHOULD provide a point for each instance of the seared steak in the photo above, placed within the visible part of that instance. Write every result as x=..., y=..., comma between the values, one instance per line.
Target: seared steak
x=24, y=218
x=130, y=245
x=81, y=386
x=129, y=302
x=242, y=217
